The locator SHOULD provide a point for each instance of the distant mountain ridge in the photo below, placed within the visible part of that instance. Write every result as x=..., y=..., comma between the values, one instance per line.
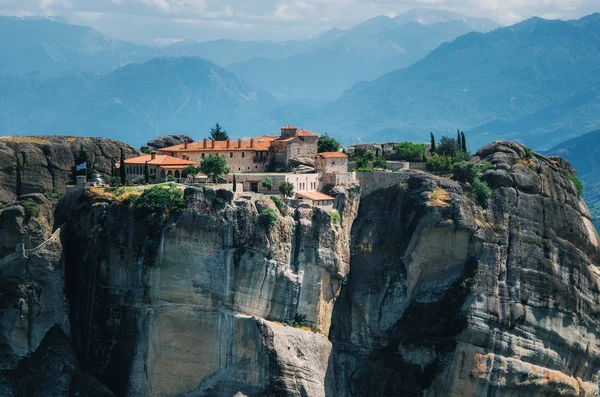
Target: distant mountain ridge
x=536, y=81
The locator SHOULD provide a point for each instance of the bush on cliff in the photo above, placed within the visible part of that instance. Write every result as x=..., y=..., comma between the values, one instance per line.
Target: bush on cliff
x=158, y=199
x=439, y=164
x=482, y=191
x=31, y=210
x=578, y=185
x=268, y=218
x=280, y=205
x=409, y=151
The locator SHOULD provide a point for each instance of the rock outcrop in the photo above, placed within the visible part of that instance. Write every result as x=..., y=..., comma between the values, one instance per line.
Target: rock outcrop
x=447, y=298
x=165, y=141
x=43, y=164
x=196, y=303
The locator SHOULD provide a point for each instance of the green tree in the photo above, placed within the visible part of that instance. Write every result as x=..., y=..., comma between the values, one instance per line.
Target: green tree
x=190, y=171
x=122, y=173
x=380, y=162
x=327, y=144
x=463, y=142
x=362, y=162
x=82, y=157
x=234, y=183
x=218, y=133
x=439, y=163
x=370, y=155
x=458, y=140
x=146, y=173
x=214, y=166
x=267, y=183
x=286, y=189
x=432, y=149
x=409, y=151
x=447, y=147
x=158, y=199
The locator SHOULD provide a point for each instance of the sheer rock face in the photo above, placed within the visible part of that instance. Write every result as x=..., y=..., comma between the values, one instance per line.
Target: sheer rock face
x=195, y=303
x=43, y=164
x=445, y=298
x=165, y=141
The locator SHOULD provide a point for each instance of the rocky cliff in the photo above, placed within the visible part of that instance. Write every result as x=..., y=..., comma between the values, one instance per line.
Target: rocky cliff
x=418, y=290
x=44, y=164
x=446, y=297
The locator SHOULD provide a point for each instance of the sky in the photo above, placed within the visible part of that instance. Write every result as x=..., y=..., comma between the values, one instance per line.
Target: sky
x=161, y=22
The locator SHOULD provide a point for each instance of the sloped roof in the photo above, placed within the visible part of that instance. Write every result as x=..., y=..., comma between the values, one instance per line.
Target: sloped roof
x=304, y=132
x=314, y=196
x=260, y=143
x=159, y=159
x=332, y=155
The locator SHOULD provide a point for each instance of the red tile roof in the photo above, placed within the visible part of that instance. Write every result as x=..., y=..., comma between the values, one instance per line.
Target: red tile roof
x=332, y=155
x=289, y=127
x=261, y=143
x=314, y=196
x=304, y=132
x=159, y=159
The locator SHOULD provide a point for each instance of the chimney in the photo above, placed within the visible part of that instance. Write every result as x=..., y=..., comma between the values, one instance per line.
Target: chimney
x=213, y=143
x=251, y=143
x=152, y=156
x=228, y=143
x=204, y=143
x=185, y=143
x=239, y=143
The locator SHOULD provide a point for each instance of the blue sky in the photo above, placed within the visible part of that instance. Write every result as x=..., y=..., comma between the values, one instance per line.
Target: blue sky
x=164, y=21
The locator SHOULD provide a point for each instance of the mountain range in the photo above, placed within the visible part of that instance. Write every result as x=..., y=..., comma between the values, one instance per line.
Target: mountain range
x=536, y=82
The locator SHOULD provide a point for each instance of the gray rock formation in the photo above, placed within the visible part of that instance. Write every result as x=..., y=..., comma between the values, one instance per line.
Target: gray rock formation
x=447, y=298
x=44, y=164
x=164, y=141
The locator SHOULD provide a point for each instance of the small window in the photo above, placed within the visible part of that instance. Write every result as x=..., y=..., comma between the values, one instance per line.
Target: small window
x=298, y=150
x=230, y=155
x=333, y=163
x=243, y=154
x=239, y=169
x=202, y=155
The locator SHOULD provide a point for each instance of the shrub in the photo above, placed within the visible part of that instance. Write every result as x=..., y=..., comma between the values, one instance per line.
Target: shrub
x=53, y=195
x=280, y=205
x=528, y=153
x=465, y=171
x=299, y=320
x=362, y=162
x=370, y=155
x=286, y=189
x=447, y=147
x=578, y=185
x=31, y=209
x=327, y=144
x=460, y=156
x=335, y=217
x=486, y=165
x=140, y=181
x=268, y=218
x=159, y=199
x=409, y=151
x=439, y=164
x=380, y=162
x=267, y=183
x=364, y=169
x=114, y=181
x=218, y=201
x=170, y=178
x=482, y=191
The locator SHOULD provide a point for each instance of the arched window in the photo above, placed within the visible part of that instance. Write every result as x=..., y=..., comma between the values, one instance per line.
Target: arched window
x=177, y=175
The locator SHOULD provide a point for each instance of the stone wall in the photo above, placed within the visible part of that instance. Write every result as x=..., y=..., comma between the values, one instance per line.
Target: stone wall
x=342, y=178
x=237, y=160
x=331, y=165
x=392, y=165
x=372, y=181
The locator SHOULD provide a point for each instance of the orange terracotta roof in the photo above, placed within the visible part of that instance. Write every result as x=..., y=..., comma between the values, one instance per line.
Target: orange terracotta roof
x=159, y=159
x=314, y=196
x=261, y=143
x=289, y=127
x=332, y=155
x=304, y=132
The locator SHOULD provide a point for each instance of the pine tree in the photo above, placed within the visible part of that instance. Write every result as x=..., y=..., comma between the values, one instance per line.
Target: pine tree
x=146, y=173
x=464, y=142
x=432, y=149
x=218, y=133
x=122, y=168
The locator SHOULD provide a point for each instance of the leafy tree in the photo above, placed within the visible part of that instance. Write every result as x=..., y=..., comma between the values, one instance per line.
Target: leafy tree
x=370, y=155
x=447, y=147
x=214, y=166
x=190, y=171
x=158, y=199
x=439, y=163
x=409, y=151
x=122, y=173
x=170, y=178
x=327, y=144
x=114, y=181
x=432, y=149
x=286, y=189
x=463, y=141
x=218, y=133
x=380, y=162
x=267, y=183
x=362, y=162
x=146, y=173
x=83, y=157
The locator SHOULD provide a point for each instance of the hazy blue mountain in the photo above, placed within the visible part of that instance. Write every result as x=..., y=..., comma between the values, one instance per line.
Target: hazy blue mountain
x=51, y=45
x=133, y=103
x=583, y=153
x=329, y=64
x=535, y=81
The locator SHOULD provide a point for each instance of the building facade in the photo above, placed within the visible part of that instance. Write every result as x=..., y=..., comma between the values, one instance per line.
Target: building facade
x=253, y=182
x=256, y=155
x=160, y=166
x=331, y=162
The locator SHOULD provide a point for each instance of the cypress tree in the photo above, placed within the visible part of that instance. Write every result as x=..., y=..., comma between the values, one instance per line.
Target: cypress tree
x=146, y=173
x=122, y=168
x=458, y=141
x=234, y=183
x=432, y=150
x=464, y=142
